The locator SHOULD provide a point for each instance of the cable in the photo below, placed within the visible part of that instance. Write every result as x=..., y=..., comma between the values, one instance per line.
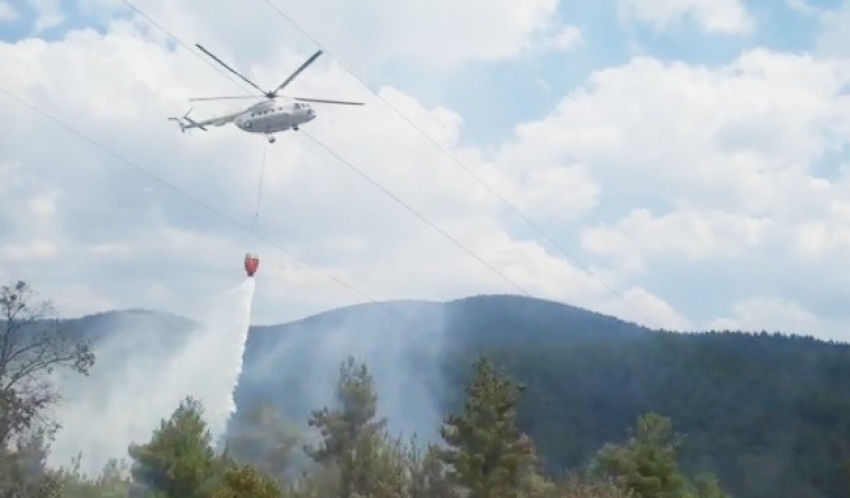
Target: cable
x=469, y=171
x=187, y=47
x=416, y=213
x=352, y=167
x=344, y=161
x=362, y=174
x=197, y=201
x=260, y=188
x=425, y=134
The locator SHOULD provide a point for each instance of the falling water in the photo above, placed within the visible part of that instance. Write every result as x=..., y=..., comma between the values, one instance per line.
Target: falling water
x=142, y=373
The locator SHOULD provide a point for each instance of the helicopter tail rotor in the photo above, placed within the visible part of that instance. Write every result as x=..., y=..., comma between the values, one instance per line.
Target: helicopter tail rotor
x=186, y=122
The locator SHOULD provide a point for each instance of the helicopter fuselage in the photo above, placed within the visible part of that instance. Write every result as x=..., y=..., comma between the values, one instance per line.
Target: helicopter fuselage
x=266, y=117
x=273, y=117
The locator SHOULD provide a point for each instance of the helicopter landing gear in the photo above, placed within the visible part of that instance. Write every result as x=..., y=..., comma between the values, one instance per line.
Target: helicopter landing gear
x=270, y=138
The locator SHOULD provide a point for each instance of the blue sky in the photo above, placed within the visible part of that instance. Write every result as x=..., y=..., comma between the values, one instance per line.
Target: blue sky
x=493, y=96
x=711, y=193
x=637, y=180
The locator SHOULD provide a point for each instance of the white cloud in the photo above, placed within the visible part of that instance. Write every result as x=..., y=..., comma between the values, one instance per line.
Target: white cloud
x=650, y=166
x=644, y=305
x=369, y=35
x=710, y=196
x=140, y=245
x=692, y=235
x=771, y=314
x=802, y=7
x=833, y=37
x=7, y=12
x=48, y=14
x=734, y=169
x=719, y=16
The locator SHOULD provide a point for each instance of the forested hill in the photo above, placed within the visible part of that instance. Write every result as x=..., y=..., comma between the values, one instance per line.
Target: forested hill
x=768, y=414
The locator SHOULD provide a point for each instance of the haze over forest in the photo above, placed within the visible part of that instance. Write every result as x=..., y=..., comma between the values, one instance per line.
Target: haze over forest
x=588, y=379
x=532, y=192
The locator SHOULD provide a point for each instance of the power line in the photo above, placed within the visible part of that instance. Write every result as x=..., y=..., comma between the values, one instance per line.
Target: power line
x=427, y=136
x=386, y=191
x=371, y=299
x=187, y=47
x=416, y=213
x=468, y=170
x=178, y=190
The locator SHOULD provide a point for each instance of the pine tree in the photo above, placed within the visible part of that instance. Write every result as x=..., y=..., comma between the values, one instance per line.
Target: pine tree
x=350, y=431
x=647, y=463
x=178, y=461
x=243, y=481
x=488, y=455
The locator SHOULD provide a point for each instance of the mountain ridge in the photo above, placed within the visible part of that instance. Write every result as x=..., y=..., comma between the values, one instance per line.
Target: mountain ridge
x=763, y=411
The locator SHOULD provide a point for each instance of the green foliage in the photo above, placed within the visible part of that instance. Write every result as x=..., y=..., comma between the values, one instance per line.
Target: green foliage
x=246, y=481
x=647, y=463
x=23, y=473
x=579, y=486
x=764, y=413
x=350, y=432
x=765, y=431
x=113, y=481
x=705, y=487
x=32, y=347
x=179, y=461
x=487, y=453
x=262, y=438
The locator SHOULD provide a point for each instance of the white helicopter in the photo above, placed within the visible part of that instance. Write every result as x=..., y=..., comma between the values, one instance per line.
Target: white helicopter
x=267, y=117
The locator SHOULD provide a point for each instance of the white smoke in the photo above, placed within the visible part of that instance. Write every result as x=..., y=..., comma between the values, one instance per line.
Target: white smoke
x=402, y=349
x=141, y=375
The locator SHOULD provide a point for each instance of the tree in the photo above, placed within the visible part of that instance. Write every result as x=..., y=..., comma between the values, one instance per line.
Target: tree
x=113, y=481
x=32, y=347
x=351, y=431
x=428, y=473
x=23, y=471
x=178, y=461
x=647, y=463
x=487, y=454
x=262, y=438
x=243, y=481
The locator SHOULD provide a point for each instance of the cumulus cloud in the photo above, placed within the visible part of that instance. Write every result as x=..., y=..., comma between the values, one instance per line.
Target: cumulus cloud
x=692, y=235
x=368, y=36
x=48, y=14
x=138, y=243
x=773, y=314
x=834, y=37
x=703, y=196
x=648, y=170
x=718, y=16
x=7, y=12
x=735, y=169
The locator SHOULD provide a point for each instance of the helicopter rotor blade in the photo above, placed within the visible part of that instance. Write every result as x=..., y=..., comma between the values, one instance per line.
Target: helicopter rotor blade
x=231, y=69
x=199, y=99
x=327, y=101
x=297, y=72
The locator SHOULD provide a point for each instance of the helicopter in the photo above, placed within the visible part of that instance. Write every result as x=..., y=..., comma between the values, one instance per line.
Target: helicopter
x=267, y=117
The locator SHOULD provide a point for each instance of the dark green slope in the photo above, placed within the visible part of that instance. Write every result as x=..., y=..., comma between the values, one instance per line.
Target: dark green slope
x=769, y=414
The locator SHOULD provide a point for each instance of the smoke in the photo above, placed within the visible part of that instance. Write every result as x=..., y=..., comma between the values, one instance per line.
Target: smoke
x=145, y=366
x=402, y=344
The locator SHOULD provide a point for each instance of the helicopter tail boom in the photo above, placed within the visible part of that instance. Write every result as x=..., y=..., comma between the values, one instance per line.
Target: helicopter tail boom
x=186, y=122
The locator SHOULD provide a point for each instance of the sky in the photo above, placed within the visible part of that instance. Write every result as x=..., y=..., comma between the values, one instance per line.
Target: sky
x=677, y=163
